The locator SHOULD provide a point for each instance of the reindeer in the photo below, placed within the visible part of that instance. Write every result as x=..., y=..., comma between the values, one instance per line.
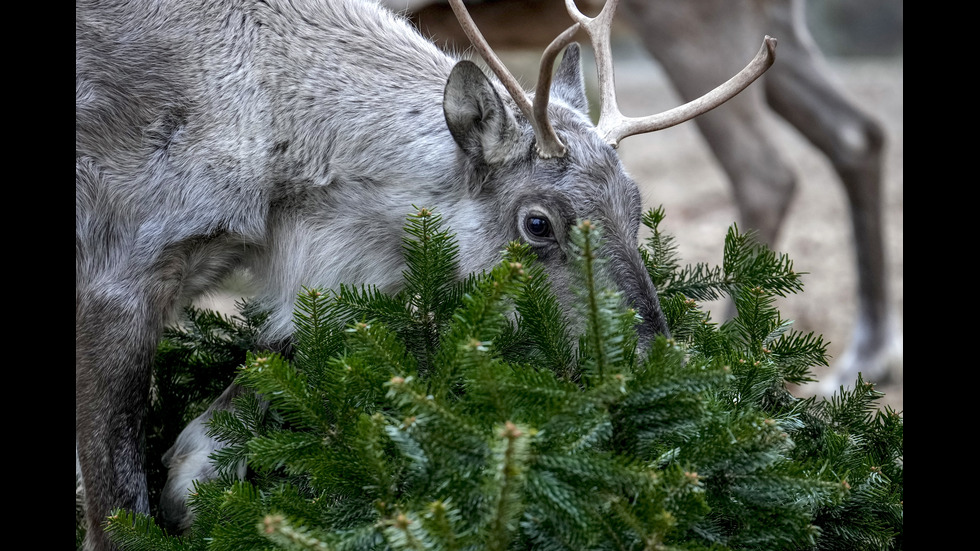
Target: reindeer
x=799, y=89
x=277, y=137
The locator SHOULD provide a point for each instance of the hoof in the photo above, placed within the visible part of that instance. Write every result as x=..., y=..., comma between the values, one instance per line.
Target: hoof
x=879, y=360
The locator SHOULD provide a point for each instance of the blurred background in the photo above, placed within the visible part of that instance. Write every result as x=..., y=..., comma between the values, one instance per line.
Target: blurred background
x=862, y=28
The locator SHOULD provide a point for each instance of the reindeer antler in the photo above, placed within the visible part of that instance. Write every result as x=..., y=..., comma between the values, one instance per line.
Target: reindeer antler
x=613, y=125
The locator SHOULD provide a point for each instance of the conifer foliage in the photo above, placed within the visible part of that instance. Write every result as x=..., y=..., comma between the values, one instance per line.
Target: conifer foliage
x=471, y=414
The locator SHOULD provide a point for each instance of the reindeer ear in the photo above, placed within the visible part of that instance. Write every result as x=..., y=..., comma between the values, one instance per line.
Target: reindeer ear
x=569, y=82
x=477, y=117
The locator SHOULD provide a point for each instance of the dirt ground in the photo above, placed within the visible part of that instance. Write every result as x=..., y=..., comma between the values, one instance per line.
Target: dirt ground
x=675, y=168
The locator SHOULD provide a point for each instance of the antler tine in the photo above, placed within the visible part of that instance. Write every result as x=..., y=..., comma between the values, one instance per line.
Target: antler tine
x=599, y=29
x=546, y=140
x=622, y=126
x=550, y=146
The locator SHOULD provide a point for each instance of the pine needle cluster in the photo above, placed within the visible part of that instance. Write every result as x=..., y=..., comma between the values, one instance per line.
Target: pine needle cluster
x=465, y=414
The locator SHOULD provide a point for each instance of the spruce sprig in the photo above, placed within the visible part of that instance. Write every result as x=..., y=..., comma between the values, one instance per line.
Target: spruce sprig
x=609, y=338
x=452, y=416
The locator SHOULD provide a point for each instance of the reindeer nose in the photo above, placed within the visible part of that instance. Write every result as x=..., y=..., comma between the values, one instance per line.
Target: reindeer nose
x=641, y=294
x=630, y=275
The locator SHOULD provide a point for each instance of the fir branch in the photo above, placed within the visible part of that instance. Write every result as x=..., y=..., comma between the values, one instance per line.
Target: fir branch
x=443, y=426
x=240, y=505
x=751, y=264
x=746, y=264
x=386, y=431
x=532, y=395
x=432, y=260
x=591, y=430
x=852, y=409
x=381, y=469
x=316, y=334
x=386, y=353
x=660, y=253
x=586, y=240
x=699, y=282
x=139, y=532
x=683, y=316
x=350, y=304
x=287, y=389
x=541, y=315
x=278, y=530
x=295, y=451
x=409, y=449
x=505, y=492
x=234, y=428
x=441, y=520
x=404, y=531
x=481, y=317
x=797, y=353
x=606, y=346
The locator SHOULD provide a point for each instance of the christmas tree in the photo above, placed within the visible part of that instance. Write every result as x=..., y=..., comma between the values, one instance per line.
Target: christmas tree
x=467, y=414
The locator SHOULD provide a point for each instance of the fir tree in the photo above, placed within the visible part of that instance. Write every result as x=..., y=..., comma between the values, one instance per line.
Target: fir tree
x=466, y=415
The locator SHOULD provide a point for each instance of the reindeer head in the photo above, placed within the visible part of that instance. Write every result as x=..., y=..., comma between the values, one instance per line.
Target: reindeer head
x=546, y=165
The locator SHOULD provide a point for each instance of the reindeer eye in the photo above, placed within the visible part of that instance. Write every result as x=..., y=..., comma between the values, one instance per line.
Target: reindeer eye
x=538, y=226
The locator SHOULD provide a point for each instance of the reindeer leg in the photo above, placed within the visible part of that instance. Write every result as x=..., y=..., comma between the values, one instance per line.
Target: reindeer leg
x=112, y=376
x=189, y=461
x=799, y=90
x=700, y=44
x=115, y=339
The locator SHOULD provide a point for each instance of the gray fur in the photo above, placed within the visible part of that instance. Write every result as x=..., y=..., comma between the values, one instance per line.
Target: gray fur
x=289, y=139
